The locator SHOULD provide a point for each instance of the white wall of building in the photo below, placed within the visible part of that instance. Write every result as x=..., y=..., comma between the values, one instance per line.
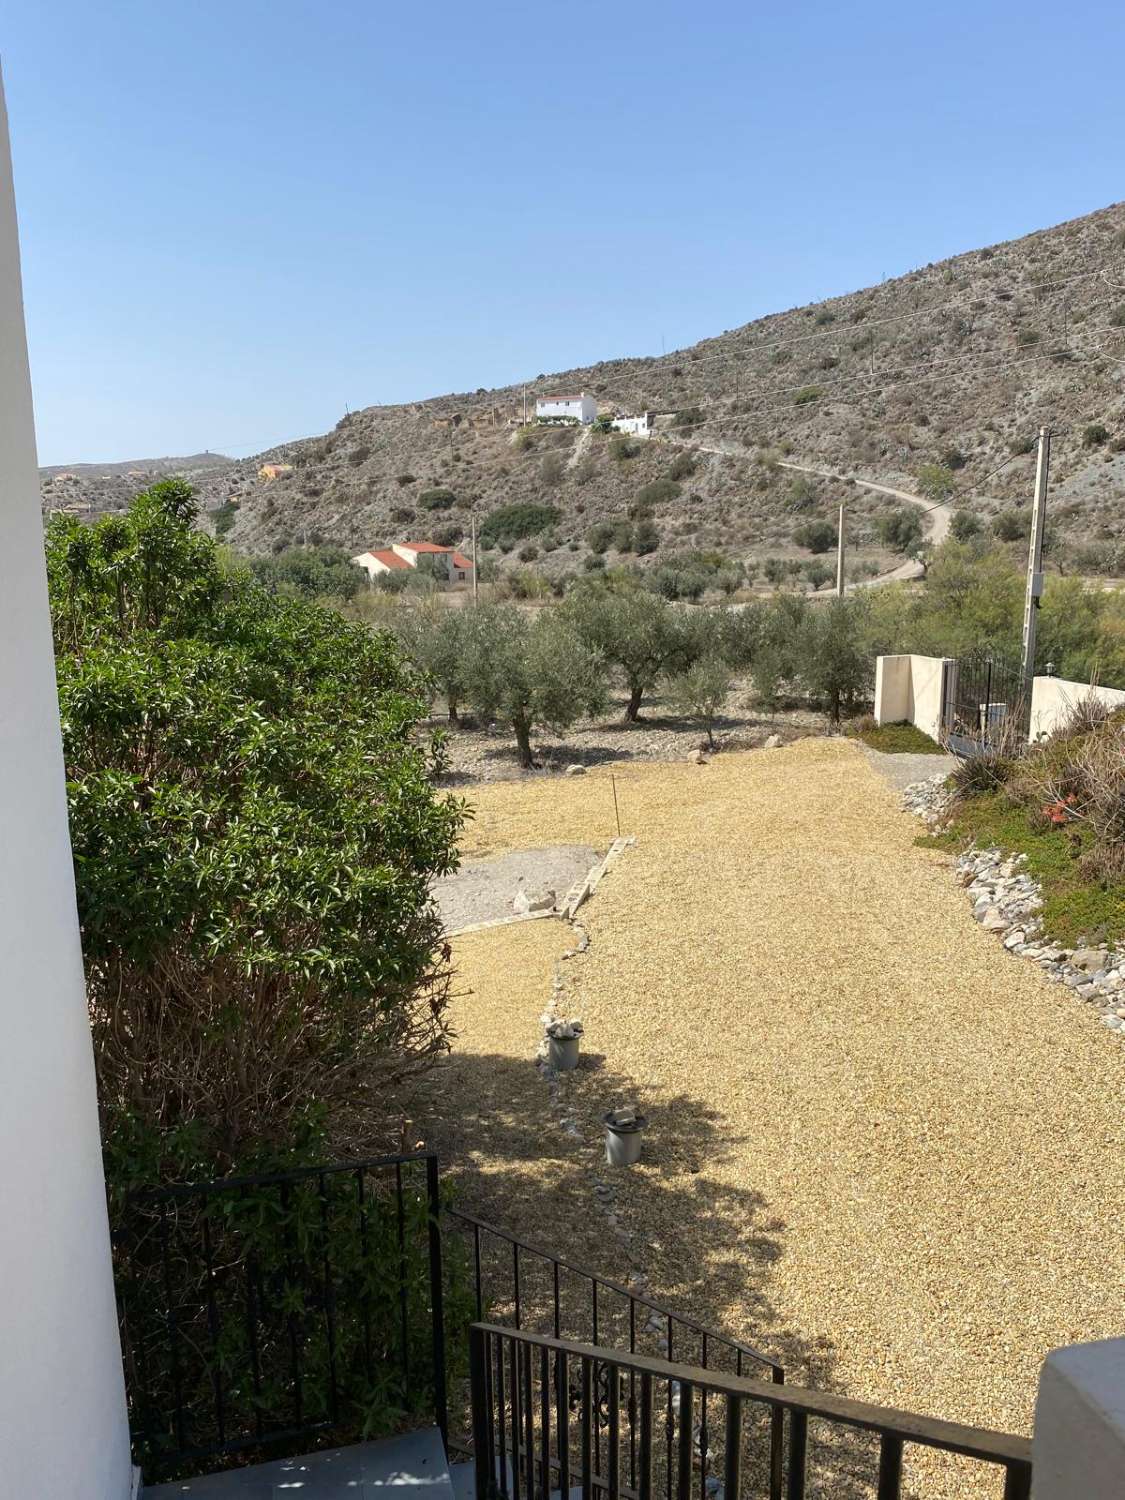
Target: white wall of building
x=1052, y=699
x=63, y=1430
x=581, y=408
x=635, y=426
x=914, y=689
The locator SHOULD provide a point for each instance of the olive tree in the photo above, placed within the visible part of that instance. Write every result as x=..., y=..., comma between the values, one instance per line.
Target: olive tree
x=836, y=663
x=530, y=673
x=633, y=630
x=701, y=692
x=435, y=635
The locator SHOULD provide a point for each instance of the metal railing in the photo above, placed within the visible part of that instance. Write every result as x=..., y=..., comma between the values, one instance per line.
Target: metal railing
x=544, y=1293
x=528, y=1443
x=258, y=1312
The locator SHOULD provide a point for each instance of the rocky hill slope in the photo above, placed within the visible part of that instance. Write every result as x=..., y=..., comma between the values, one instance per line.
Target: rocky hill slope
x=940, y=376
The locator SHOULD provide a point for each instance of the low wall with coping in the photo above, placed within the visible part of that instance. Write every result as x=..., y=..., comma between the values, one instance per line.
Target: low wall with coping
x=914, y=689
x=1052, y=699
x=917, y=689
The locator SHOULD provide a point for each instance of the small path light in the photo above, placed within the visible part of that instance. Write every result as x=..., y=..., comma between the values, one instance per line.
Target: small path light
x=623, y=1128
x=562, y=1045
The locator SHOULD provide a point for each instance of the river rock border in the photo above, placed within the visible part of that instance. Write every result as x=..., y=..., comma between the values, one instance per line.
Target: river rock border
x=1006, y=901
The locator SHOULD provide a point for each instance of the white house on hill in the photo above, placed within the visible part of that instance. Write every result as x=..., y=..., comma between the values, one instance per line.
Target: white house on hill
x=581, y=408
x=636, y=426
x=404, y=555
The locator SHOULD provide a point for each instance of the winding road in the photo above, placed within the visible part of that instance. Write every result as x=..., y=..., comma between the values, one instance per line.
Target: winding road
x=936, y=517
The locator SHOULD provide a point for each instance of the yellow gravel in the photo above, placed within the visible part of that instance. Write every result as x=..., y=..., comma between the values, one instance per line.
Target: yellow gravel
x=878, y=1147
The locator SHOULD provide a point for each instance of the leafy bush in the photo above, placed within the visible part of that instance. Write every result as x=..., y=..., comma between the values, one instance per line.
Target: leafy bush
x=1009, y=526
x=222, y=517
x=807, y=395
x=1027, y=338
x=550, y=469
x=964, y=525
x=514, y=523
x=683, y=466
x=900, y=529
x=439, y=498
x=646, y=538
x=1094, y=435
x=622, y=448
x=359, y=455
x=817, y=536
x=312, y=572
x=935, y=481
x=690, y=417
x=404, y=479
x=275, y=831
x=658, y=492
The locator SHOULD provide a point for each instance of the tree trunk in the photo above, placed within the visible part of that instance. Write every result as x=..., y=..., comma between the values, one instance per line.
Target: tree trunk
x=451, y=700
x=710, y=736
x=523, y=741
x=633, y=711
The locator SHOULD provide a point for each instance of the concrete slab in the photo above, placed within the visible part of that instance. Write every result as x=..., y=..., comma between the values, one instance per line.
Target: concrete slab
x=415, y=1462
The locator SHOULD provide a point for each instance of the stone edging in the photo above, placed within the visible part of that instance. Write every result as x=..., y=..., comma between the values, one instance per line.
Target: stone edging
x=1006, y=900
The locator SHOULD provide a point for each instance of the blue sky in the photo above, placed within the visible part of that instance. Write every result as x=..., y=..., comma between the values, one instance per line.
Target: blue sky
x=241, y=216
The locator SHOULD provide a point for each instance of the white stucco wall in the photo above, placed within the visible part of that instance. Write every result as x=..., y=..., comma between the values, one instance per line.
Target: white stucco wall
x=1052, y=698
x=1078, y=1451
x=62, y=1405
x=583, y=408
x=911, y=688
x=634, y=426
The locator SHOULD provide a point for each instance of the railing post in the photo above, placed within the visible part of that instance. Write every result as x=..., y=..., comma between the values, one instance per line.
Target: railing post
x=798, y=1443
x=482, y=1417
x=437, y=1299
x=732, y=1467
x=890, y=1467
x=777, y=1443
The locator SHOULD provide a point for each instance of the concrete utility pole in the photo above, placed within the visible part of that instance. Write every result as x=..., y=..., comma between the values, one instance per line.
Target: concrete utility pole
x=1035, y=561
x=840, y=555
x=473, y=524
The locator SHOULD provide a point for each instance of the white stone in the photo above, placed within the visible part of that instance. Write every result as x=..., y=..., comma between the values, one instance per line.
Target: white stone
x=772, y=743
x=575, y=770
x=525, y=901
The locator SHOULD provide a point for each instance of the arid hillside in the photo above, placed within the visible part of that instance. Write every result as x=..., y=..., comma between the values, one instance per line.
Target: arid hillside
x=937, y=378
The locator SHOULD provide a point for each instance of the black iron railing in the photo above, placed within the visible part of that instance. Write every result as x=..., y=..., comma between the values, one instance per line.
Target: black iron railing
x=543, y=1293
x=259, y=1312
x=552, y=1415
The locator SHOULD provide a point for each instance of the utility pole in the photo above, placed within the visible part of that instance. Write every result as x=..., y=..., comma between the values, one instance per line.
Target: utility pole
x=473, y=523
x=840, y=555
x=1035, y=562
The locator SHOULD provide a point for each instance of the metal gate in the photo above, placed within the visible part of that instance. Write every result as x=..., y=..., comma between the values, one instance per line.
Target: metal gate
x=986, y=703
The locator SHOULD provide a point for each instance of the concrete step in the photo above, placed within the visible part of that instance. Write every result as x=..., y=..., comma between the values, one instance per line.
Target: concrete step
x=464, y=1480
x=364, y=1471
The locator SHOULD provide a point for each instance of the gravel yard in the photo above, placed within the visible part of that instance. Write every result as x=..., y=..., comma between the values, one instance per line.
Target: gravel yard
x=879, y=1146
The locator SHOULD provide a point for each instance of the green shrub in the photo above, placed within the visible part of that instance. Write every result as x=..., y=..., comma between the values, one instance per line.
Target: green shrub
x=1094, y=435
x=622, y=448
x=690, y=417
x=1027, y=338
x=900, y=529
x=807, y=395
x=683, y=466
x=964, y=525
x=658, y=492
x=817, y=536
x=277, y=833
x=439, y=498
x=1009, y=526
x=513, y=523
x=222, y=517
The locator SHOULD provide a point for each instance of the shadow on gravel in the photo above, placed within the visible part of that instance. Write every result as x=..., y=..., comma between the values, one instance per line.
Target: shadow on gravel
x=705, y=1250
